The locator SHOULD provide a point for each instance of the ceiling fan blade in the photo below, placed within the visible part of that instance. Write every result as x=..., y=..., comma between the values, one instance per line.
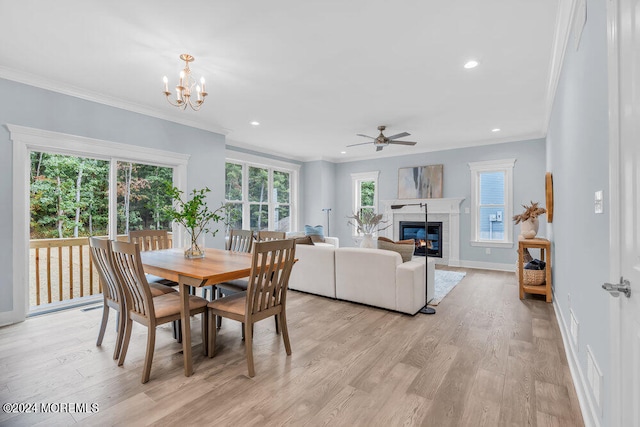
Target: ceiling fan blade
x=379, y=148
x=403, y=142
x=400, y=135
x=361, y=143
x=366, y=136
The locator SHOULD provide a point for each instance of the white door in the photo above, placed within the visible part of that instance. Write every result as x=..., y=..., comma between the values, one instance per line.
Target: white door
x=624, y=45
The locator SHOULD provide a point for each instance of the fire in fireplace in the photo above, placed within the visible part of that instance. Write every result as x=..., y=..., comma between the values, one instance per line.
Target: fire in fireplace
x=431, y=243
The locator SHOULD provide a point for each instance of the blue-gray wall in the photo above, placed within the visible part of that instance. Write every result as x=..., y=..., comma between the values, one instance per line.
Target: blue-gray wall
x=528, y=184
x=577, y=144
x=33, y=107
x=318, y=189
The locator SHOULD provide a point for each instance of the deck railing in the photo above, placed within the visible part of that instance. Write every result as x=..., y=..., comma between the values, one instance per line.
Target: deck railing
x=61, y=270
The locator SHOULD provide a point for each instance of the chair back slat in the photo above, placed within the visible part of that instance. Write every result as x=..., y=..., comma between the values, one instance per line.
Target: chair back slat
x=270, y=270
x=101, y=256
x=240, y=241
x=265, y=236
x=128, y=266
x=150, y=240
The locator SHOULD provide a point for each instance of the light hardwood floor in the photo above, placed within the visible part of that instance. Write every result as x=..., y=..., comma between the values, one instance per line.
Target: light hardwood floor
x=485, y=359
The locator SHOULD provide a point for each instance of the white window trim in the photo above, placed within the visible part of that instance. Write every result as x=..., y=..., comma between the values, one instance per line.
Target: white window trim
x=247, y=160
x=356, y=179
x=25, y=140
x=503, y=165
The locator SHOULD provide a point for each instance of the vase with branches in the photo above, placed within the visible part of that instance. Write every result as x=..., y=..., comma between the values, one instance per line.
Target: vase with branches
x=529, y=220
x=367, y=223
x=195, y=216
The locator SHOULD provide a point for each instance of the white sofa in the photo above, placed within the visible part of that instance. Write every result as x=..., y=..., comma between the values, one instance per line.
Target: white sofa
x=369, y=276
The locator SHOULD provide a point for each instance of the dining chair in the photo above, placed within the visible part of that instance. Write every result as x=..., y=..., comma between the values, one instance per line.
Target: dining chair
x=240, y=240
x=266, y=295
x=264, y=236
x=152, y=240
x=145, y=309
x=112, y=293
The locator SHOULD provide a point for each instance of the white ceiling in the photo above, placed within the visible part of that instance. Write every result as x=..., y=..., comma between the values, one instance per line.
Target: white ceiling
x=313, y=73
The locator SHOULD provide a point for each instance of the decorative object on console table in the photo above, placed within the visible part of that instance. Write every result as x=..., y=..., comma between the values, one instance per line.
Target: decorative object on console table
x=529, y=220
x=194, y=215
x=423, y=182
x=426, y=309
x=367, y=222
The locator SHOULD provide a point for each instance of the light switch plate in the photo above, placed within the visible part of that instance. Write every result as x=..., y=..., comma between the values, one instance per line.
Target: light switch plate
x=598, y=202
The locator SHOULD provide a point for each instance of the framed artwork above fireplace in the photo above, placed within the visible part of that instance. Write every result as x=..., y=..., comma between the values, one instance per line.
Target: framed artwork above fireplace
x=420, y=182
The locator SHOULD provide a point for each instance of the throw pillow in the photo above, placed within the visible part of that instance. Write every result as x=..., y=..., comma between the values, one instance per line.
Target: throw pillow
x=405, y=250
x=306, y=240
x=316, y=233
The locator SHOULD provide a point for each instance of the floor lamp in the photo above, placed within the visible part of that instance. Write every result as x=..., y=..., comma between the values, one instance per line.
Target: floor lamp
x=327, y=210
x=426, y=309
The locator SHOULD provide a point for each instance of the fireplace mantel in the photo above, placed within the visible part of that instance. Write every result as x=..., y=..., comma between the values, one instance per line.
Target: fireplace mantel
x=449, y=207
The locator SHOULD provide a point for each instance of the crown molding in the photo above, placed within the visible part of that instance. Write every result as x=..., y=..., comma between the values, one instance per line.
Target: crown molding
x=564, y=21
x=100, y=98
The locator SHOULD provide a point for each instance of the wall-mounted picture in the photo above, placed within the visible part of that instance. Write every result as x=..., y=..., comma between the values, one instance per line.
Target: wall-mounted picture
x=421, y=182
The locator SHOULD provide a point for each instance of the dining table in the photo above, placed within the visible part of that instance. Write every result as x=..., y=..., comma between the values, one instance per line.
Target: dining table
x=216, y=266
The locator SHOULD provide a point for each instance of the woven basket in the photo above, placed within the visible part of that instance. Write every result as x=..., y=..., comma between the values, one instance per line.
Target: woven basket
x=531, y=277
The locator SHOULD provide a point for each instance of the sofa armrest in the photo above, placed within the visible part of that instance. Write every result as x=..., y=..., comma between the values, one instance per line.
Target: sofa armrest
x=332, y=240
x=410, y=289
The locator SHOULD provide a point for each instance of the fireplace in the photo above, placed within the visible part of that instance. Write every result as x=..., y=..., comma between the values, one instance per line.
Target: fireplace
x=431, y=244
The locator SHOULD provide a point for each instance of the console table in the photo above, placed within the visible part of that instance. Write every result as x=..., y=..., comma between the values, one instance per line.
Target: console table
x=545, y=255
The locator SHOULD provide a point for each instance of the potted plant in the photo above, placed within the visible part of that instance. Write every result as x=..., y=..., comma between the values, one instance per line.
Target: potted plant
x=195, y=216
x=367, y=222
x=529, y=220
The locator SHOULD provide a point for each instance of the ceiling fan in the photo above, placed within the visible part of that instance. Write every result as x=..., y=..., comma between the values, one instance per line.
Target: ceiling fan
x=382, y=141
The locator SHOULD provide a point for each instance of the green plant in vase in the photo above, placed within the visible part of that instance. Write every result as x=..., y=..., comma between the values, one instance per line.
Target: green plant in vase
x=195, y=216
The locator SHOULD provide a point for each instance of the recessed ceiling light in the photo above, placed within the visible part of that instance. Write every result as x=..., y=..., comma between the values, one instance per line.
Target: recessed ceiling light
x=254, y=123
x=495, y=130
x=471, y=64
x=343, y=152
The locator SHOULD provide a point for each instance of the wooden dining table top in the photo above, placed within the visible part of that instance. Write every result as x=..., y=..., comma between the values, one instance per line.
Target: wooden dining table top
x=217, y=266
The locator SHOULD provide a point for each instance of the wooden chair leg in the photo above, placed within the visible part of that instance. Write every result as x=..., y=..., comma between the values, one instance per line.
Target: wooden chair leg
x=218, y=318
x=121, y=324
x=212, y=334
x=285, y=332
x=125, y=341
x=277, y=320
x=205, y=332
x=248, y=344
x=177, y=330
x=148, y=358
x=103, y=325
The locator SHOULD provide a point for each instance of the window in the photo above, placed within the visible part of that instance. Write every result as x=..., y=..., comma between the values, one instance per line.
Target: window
x=491, y=203
x=365, y=192
x=260, y=196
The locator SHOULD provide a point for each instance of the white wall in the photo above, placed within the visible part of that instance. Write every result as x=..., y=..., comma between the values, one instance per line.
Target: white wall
x=577, y=144
x=37, y=108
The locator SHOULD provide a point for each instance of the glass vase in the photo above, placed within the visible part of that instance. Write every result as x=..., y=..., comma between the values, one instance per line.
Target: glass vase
x=195, y=245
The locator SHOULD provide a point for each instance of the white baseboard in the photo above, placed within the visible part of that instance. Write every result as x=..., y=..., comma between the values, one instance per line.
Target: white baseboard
x=587, y=406
x=483, y=265
x=11, y=317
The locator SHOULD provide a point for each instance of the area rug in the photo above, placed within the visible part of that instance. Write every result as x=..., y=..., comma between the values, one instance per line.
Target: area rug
x=445, y=281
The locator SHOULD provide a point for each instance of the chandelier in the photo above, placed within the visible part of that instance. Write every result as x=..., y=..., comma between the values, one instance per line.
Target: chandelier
x=185, y=86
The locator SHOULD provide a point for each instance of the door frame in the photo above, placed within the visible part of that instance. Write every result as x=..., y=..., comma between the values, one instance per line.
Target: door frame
x=27, y=139
x=615, y=418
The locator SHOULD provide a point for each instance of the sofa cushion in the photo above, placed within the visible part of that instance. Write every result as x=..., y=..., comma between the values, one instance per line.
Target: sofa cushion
x=306, y=240
x=316, y=233
x=315, y=270
x=404, y=249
